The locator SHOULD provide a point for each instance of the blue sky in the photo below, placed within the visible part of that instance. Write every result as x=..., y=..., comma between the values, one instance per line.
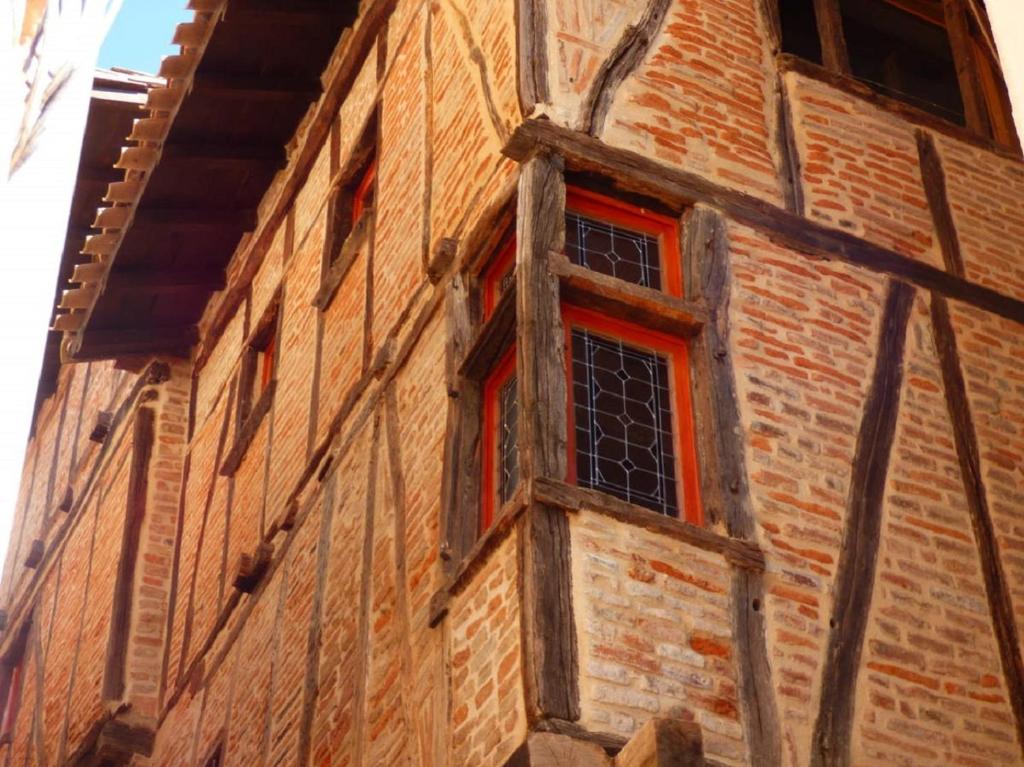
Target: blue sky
x=141, y=34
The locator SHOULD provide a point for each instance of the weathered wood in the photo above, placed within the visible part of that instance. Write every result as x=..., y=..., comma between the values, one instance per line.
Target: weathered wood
x=561, y=495
x=477, y=554
x=789, y=153
x=613, y=297
x=997, y=584
x=334, y=273
x=247, y=431
x=252, y=567
x=830, y=31
x=460, y=478
x=548, y=749
x=550, y=651
x=644, y=175
x=769, y=11
x=532, y=39
x=971, y=93
x=610, y=744
x=724, y=487
x=442, y=259
x=493, y=339
x=121, y=738
x=104, y=344
x=665, y=743
x=249, y=88
x=855, y=572
x=933, y=178
x=540, y=364
x=623, y=60
x=144, y=436
x=165, y=281
x=224, y=155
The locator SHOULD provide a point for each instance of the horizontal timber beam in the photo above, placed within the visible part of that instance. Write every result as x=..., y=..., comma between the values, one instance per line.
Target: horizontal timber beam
x=225, y=154
x=640, y=174
x=104, y=344
x=165, y=281
x=195, y=218
x=255, y=87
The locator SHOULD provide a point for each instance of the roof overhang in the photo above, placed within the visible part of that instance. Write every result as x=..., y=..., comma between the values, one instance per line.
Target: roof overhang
x=200, y=158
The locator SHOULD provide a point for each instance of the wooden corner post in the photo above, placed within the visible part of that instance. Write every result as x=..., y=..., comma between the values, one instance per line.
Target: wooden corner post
x=549, y=632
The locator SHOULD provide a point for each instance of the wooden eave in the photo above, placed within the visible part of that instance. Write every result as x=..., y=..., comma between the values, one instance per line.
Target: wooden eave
x=115, y=103
x=200, y=158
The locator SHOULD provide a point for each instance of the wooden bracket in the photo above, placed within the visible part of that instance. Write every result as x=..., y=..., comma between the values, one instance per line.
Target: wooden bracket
x=35, y=554
x=99, y=432
x=251, y=567
x=442, y=258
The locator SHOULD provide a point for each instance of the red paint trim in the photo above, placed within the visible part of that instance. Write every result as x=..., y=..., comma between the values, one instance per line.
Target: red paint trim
x=505, y=369
x=12, y=701
x=501, y=265
x=613, y=211
x=359, y=196
x=267, y=359
x=675, y=349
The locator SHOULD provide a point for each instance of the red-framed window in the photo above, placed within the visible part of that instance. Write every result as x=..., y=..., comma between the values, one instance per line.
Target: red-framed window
x=630, y=414
x=630, y=243
x=10, y=696
x=500, y=462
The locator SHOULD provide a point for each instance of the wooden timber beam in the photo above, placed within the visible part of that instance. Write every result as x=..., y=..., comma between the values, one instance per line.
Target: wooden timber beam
x=549, y=642
x=997, y=584
x=165, y=280
x=292, y=13
x=99, y=174
x=103, y=344
x=855, y=572
x=224, y=154
x=254, y=87
x=195, y=218
x=642, y=175
x=725, y=490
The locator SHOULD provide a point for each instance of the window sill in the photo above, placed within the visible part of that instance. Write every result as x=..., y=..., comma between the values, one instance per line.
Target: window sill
x=248, y=431
x=787, y=62
x=746, y=555
x=333, y=276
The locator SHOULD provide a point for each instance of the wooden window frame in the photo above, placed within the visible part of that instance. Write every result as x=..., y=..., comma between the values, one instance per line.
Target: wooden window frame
x=491, y=444
x=350, y=220
x=676, y=350
x=260, y=360
x=654, y=326
x=982, y=87
x=636, y=218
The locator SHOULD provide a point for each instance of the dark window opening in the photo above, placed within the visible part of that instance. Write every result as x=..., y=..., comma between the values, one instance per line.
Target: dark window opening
x=613, y=250
x=904, y=55
x=800, y=29
x=623, y=422
x=258, y=368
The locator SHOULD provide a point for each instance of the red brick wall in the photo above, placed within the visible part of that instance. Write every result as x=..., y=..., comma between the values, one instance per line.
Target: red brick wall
x=859, y=169
x=655, y=632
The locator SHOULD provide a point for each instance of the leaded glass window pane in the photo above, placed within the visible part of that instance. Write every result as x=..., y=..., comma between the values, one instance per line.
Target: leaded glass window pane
x=623, y=422
x=610, y=249
x=508, y=446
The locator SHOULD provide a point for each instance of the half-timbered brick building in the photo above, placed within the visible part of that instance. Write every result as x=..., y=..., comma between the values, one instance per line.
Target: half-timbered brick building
x=531, y=382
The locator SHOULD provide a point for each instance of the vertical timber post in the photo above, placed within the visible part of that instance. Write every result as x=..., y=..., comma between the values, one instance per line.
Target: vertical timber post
x=549, y=632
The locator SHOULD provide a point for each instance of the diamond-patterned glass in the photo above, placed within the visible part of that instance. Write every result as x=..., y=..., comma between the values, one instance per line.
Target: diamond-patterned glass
x=609, y=249
x=508, y=446
x=623, y=422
